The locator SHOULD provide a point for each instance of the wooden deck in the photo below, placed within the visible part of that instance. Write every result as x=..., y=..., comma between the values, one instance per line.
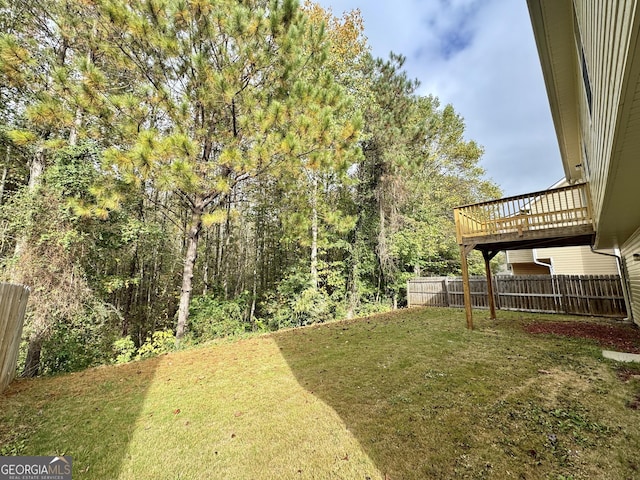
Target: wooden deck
x=548, y=218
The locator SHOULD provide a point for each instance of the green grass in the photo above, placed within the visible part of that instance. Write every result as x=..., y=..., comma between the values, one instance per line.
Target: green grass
x=410, y=395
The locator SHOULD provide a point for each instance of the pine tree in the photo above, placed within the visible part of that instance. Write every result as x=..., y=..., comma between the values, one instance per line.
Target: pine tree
x=224, y=92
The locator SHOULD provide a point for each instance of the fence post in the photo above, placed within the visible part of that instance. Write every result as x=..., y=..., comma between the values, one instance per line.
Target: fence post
x=447, y=297
x=562, y=291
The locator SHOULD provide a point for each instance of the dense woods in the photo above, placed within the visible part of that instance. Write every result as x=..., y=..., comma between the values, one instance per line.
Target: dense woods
x=180, y=170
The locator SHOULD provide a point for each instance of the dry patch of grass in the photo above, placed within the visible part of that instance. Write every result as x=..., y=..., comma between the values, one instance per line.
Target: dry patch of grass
x=228, y=411
x=411, y=395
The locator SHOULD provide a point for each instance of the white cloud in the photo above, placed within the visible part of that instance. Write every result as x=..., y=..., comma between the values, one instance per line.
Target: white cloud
x=480, y=56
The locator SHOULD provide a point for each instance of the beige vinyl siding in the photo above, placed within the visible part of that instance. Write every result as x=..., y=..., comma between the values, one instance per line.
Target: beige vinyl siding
x=529, y=269
x=565, y=260
x=620, y=217
x=579, y=261
x=605, y=28
x=633, y=272
x=519, y=256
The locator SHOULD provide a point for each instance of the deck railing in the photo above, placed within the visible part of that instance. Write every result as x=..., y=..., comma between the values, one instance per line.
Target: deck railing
x=561, y=207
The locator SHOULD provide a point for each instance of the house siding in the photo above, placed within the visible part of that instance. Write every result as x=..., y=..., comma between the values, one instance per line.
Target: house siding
x=565, y=260
x=594, y=93
x=579, y=261
x=633, y=272
x=604, y=30
x=529, y=269
x=519, y=256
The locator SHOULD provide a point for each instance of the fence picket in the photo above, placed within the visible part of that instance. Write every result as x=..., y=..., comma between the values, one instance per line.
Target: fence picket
x=13, y=304
x=579, y=295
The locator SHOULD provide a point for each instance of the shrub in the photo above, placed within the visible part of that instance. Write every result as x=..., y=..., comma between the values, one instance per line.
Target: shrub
x=372, y=308
x=160, y=342
x=312, y=306
x=123, y=349
x=80, y=341
x=212, y=318
x=296, y=310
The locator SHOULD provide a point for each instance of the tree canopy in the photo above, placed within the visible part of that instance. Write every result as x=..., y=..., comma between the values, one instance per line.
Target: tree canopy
x=210, y=167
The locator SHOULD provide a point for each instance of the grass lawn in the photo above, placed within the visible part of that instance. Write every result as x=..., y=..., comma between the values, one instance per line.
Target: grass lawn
x=409, y=395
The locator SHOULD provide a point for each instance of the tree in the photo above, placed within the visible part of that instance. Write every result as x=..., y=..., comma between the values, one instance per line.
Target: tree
x=390, y=131
x=224, y=92
x=34, y=49
x=447, y=175
x=252, y=152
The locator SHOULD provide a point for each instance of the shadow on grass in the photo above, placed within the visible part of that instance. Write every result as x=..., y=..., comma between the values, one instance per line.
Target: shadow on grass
x=426, y=398
x=90, y=415
x=386, y=378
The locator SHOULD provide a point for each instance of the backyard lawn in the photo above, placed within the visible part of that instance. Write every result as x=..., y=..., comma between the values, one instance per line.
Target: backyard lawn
x=408, y=395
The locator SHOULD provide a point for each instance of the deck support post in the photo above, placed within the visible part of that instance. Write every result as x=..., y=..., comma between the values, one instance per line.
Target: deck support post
x=464, y=250
x=487, y=255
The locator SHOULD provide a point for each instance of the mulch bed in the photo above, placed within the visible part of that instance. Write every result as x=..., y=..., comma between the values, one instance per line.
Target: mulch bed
x=621, y=338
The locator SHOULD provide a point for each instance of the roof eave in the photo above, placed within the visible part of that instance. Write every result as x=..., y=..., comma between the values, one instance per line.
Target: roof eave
x=558, y=59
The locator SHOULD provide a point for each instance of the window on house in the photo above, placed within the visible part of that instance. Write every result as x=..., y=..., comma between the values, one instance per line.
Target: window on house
x=585, y=161
x=583, y=61
x=585, y=79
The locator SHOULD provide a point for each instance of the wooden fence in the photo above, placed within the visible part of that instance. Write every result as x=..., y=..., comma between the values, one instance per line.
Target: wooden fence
x=13, y=304
x=599, y=295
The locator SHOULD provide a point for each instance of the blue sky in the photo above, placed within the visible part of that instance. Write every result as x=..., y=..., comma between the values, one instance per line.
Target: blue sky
x=480, y=56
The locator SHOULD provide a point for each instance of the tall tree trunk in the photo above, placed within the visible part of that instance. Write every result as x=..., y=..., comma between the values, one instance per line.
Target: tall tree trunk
x=77, y=123
x=130, y=292
x=219, y=243
x=3, y=182
x=36, y=169
x=254, y=288
x=314, y=235
x=382, y=252
x=32, y=362
x=205, y=267
x=353, y=299
x=354, y=271
x=225, y=249
x=4, y=173
x=193, y=235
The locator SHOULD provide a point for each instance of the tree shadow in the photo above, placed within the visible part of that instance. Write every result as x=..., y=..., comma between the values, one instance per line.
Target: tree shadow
x=375, y=375
x=89, y=415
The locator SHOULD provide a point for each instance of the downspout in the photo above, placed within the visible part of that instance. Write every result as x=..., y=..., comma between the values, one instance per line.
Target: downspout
x=553, y=280
x=623, y=277
x=542, y=264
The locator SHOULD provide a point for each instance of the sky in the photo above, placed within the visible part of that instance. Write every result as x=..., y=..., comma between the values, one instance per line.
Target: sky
x=479, y=56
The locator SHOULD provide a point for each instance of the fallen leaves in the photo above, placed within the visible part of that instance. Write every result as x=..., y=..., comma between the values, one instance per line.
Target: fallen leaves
x=624, y=338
